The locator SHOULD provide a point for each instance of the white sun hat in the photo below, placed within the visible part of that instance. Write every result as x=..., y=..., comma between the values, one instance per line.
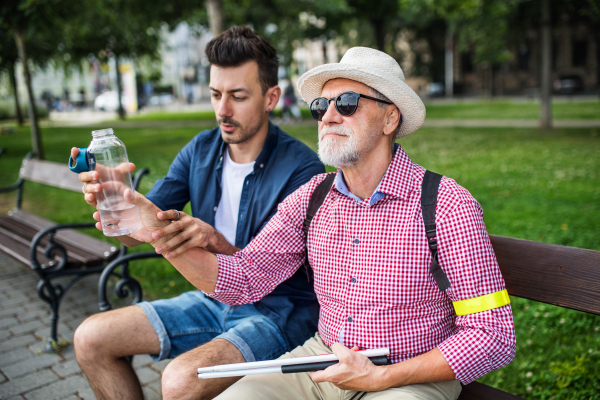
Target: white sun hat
x=375, y=69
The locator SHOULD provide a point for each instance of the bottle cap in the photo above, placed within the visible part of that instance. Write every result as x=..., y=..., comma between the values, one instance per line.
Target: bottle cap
x=81, y=162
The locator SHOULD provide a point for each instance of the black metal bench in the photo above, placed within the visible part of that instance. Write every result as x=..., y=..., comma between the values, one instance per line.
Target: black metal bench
x=53, y=250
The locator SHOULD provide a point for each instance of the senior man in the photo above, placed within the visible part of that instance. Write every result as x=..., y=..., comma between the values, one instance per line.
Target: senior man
x=376, y=279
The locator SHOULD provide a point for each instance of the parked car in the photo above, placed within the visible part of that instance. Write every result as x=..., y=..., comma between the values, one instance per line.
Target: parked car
x=436, y=89
x=568, y=84
x=109, y=101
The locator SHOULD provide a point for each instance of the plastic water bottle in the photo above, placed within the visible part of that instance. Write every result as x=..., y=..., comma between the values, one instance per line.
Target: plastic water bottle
x=107, y=155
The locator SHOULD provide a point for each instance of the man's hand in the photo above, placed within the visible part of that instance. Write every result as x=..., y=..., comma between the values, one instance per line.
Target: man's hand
x=354, y=371
x=193, y=232
x=148, y=212
x=90, y=180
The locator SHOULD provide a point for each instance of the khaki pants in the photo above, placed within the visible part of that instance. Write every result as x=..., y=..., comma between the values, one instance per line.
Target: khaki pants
x=300, y=386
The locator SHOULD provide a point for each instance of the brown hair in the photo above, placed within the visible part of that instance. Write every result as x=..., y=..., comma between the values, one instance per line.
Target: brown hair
x=240, y=44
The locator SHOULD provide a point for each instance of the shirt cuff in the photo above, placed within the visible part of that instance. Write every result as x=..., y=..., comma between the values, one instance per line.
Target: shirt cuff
x=477, y=347
x=230, y=281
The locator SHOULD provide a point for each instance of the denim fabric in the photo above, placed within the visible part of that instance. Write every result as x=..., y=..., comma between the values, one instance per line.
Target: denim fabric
x=283, y=165
x=184, y=322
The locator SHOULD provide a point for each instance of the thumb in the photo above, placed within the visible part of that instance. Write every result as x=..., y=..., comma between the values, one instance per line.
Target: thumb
x=135, y=198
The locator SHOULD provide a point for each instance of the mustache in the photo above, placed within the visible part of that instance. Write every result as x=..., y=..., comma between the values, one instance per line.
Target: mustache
x=339, y=130
x=228, y=121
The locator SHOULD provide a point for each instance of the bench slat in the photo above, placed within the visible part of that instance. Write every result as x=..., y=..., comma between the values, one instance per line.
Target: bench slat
x=18, y=248
x=560, y=275
x=70, y=237
x=23, y=234
x=26, y=234
x=479, y=391
x=50, y=173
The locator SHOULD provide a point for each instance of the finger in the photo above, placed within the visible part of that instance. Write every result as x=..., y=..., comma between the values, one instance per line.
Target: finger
x=88, y=176
x=136, y=198
x=173, y=242
x=74, y=152
x=131, y=167
x=167, y=230
x=96, y=216
x=184, y=223
x=90, y=198
x=92, y=187
x=185, y=246
x=324, y=375
x=343, y=353
x=170, y=215
x=98, y=226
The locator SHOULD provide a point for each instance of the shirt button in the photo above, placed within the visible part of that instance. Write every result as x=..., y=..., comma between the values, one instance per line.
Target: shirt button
x=247, y=182
x=356, y=241
x=349, y=319
x=215, y=209
x=353, y=280
x=262, y=165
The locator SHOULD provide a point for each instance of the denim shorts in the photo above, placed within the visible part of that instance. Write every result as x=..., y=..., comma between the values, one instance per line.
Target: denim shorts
x=192, y=319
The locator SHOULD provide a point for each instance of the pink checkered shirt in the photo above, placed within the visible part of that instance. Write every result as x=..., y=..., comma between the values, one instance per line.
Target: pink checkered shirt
x=371, y=270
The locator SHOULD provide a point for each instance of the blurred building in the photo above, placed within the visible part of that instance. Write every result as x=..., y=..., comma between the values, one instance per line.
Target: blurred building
x=574, y=66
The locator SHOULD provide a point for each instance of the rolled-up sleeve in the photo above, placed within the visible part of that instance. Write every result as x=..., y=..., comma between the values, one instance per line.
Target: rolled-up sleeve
x=484, y=341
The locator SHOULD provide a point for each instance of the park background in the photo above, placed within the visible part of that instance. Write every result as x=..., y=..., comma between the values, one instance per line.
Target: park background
x=511, y=89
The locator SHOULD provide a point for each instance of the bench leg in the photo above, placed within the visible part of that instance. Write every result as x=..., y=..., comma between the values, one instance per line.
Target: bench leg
x=53, y=296
x=54, y=293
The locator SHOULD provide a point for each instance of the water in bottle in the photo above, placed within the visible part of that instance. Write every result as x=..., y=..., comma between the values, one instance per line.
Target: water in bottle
x=107, y=155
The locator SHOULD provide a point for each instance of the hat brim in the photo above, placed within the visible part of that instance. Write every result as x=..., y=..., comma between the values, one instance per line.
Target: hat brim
x=310, y=86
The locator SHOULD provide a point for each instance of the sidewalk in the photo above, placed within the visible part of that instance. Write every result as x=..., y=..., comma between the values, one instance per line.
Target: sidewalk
x=28, y=373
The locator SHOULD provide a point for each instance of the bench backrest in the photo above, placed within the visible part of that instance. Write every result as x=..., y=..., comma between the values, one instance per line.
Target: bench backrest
x=50, y=173
x=560, y=275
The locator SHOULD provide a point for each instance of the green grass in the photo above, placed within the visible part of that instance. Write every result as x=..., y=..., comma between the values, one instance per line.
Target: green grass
x=503, y=110
x=512, y=110
x=532, y=184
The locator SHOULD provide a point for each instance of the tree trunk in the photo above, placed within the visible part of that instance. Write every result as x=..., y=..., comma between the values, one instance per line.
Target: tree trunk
x=546, y=75
x=121, y=110
x=216, y=18
x=379, y=29
x=449, y=60
x=597, y=37
x=36, y=139
x=13, y=83
x=324, y=47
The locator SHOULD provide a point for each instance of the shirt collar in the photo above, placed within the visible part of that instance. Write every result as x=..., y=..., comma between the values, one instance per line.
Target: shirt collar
x=397, y=180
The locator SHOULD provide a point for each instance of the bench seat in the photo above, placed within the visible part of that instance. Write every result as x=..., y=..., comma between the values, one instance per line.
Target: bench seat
x=18, y=229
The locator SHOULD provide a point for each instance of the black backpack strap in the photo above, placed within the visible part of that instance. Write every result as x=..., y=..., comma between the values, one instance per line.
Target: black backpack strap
x=316, y=201
x=429, y=193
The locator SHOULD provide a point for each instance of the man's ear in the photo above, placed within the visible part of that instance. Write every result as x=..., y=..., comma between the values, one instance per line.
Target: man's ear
x=272, y=97
x=391, y=120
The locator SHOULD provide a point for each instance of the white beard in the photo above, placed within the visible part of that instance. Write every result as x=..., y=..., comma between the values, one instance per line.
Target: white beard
x=338, y=153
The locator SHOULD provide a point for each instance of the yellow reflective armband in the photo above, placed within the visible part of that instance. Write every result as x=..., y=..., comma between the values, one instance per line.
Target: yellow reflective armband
x=481, y=303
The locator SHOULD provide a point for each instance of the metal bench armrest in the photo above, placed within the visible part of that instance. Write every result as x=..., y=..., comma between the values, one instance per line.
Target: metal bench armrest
x=53, y=247
x=126, y=283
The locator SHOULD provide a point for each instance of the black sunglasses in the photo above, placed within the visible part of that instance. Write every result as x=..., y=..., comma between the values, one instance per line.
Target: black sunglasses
x=346, y=104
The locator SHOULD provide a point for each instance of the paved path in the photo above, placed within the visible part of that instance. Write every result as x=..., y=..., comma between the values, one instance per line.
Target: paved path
x=28, y=373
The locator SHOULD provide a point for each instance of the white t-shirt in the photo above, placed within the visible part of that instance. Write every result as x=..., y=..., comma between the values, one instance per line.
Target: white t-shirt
x=232, y=183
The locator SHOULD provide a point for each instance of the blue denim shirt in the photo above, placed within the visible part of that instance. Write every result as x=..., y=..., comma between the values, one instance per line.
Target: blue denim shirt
x=283, y=165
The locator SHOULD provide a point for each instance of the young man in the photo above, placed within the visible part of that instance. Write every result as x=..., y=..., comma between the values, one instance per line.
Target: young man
x=234, y=176
x=370, y=255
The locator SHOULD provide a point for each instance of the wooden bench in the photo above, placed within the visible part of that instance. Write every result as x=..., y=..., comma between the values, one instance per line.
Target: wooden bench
x=54, y=251
x=559, y=275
